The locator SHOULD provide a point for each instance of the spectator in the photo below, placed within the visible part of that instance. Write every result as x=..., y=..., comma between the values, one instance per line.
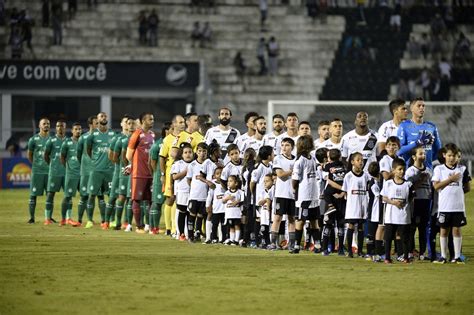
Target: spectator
x=402, y=90
x=414, y=48
x=261, y=48
x=436, y=47
x=2, y=12
x=425, y=83
x=449, y=20
x=57, y=27
x=26, y=24
x=437, y=25
x=142, y=28
x=425, y=45
x=71, y=8
x=13, y=147
x=396, y=19
x=153, y=21
x=445, y=68
x=45, y=13
x=196, y=33
x=206, y=35
x=462, y=50
x=16, y=42
x=240, y=68
x=273, y=51
x=263, y=13
x=312, y=8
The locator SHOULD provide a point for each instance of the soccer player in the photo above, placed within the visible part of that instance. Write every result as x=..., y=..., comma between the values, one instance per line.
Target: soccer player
x=291, y=125
x=197, y=193
x=71, y=186
x=452, y=181
x=420, y=176
x=113, y=157
x=223, y=133
x=157, y=198
x=256, y=141
x=335, y=130
x=336, y=207
x=234, y=166
x=257, y=188
x=138, y=152
x=270, y=138
x=216, y=207
x=417, y=132
x=354, y=188
x=168, y=152
x=52, y=156
x=233, y=199
x=100, y=177
x=396, y=193
x=362, y=139
x=284, y=196
x=180, y=185
x=304, y=129
x=120, y=152
x=374, y=245
x=305, y=184
x=249, y=122
x=392, y=146
x=186, y=135
x=323, y=132
x=85, y=165
x=40, y=169
x=399, y=112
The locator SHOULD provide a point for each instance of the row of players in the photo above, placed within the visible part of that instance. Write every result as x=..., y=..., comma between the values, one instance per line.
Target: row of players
x=359, y=145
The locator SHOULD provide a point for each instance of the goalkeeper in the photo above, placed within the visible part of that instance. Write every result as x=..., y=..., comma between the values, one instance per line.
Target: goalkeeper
x=419, y=133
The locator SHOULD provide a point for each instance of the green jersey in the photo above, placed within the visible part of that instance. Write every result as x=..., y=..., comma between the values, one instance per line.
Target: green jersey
x=114, y=141
x=69, y=152
x=53, y=148
x=82, y=156
x=120, y=147
x=37, y=145
x=155, y=155
x=99, y=142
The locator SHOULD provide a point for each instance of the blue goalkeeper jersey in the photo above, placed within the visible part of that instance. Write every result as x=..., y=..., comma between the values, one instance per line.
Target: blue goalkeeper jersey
x=408, y=133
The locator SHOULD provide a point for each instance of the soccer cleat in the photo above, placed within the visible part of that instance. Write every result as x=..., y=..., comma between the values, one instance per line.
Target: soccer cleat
x=53, y=220
x=253, y=244
x=182, y=237
x=316, y=250
x=168, y=232
x=341, y=252
x=227, y=241
x=377, y=259
x=113, y=224
x=422, y=257
x=207, y=242
x=458, y=261
x=295, y=250
x=125, y=225
x=272, y=247
x=62, y=222
x=140, y=231
x=440, y=261
x=215, y=241
x=31, y=221
x=400, y=258
x=72, y=222
x=89, y=225
x=242, y=243
x=147, y=228
x=117, y=228
x=128, y=228
x=350, y=255
x=105, y=226
x=325, y=253
x=387, y=261
x=48, y=222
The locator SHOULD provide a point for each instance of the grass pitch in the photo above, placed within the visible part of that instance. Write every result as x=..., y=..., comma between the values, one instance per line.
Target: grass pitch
x=65, y=270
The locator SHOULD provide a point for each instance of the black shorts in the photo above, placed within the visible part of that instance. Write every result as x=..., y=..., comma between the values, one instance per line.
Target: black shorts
x=304, y=212
x=197, y=207
x=285, y=206
x=181, y=208
x=356, y=221
x=233, y=222
x=245, y=210
x=451, y=219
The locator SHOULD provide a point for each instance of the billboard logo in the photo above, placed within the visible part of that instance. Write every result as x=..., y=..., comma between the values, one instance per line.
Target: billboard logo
x=176, y=74
x=19, y=175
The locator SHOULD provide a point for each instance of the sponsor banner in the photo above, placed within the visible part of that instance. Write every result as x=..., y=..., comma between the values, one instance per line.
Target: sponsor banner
x=16, y=172
x=98, y=74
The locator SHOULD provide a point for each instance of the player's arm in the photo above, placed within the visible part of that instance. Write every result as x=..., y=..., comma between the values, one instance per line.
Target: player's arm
x=31, y=149
x=177, y=176
x=62, y=156
x=396, y=203
x=333, y=184
x=436, y=145
x=439, y=185
x=152, y=163
x=209, y=199
x=47, y=152
x=89, y=146
x=80, y=149
x=111, y=154
x=283, y=175
x=466, y=182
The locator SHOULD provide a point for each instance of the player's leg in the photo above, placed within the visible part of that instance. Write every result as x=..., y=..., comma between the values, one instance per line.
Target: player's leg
x=119, y=204
x=208, y=217
x=390, y=231
x=93, y=189
x=237, y=232
x=360, y=237
x=49, y=206
x=422, y=227
x=350, y=234
x=191, y=219
x=372, y=229
x=182, y=214
x=405, y=234
x=434, y=230
x=275, y=229
x=457, y=240
x=215, y=225
x=340, y=235
x=38, y=186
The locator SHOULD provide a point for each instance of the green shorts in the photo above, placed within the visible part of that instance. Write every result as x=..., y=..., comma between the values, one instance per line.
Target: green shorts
x=99, y=182
x=129, y=187
x=157, y=195
x=55, y=183
x=123, y=186
x=71, y=186
x=38, y=184
x=84, y=182
x=114, y=187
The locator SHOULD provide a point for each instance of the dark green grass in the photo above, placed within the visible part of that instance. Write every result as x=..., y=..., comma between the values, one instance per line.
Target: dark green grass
x=65, y=270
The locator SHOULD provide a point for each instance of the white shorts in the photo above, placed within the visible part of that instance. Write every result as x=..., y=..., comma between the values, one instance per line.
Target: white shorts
x=182, y=198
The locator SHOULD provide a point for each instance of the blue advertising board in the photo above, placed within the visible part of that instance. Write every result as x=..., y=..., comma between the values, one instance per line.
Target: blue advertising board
x=16, y=172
